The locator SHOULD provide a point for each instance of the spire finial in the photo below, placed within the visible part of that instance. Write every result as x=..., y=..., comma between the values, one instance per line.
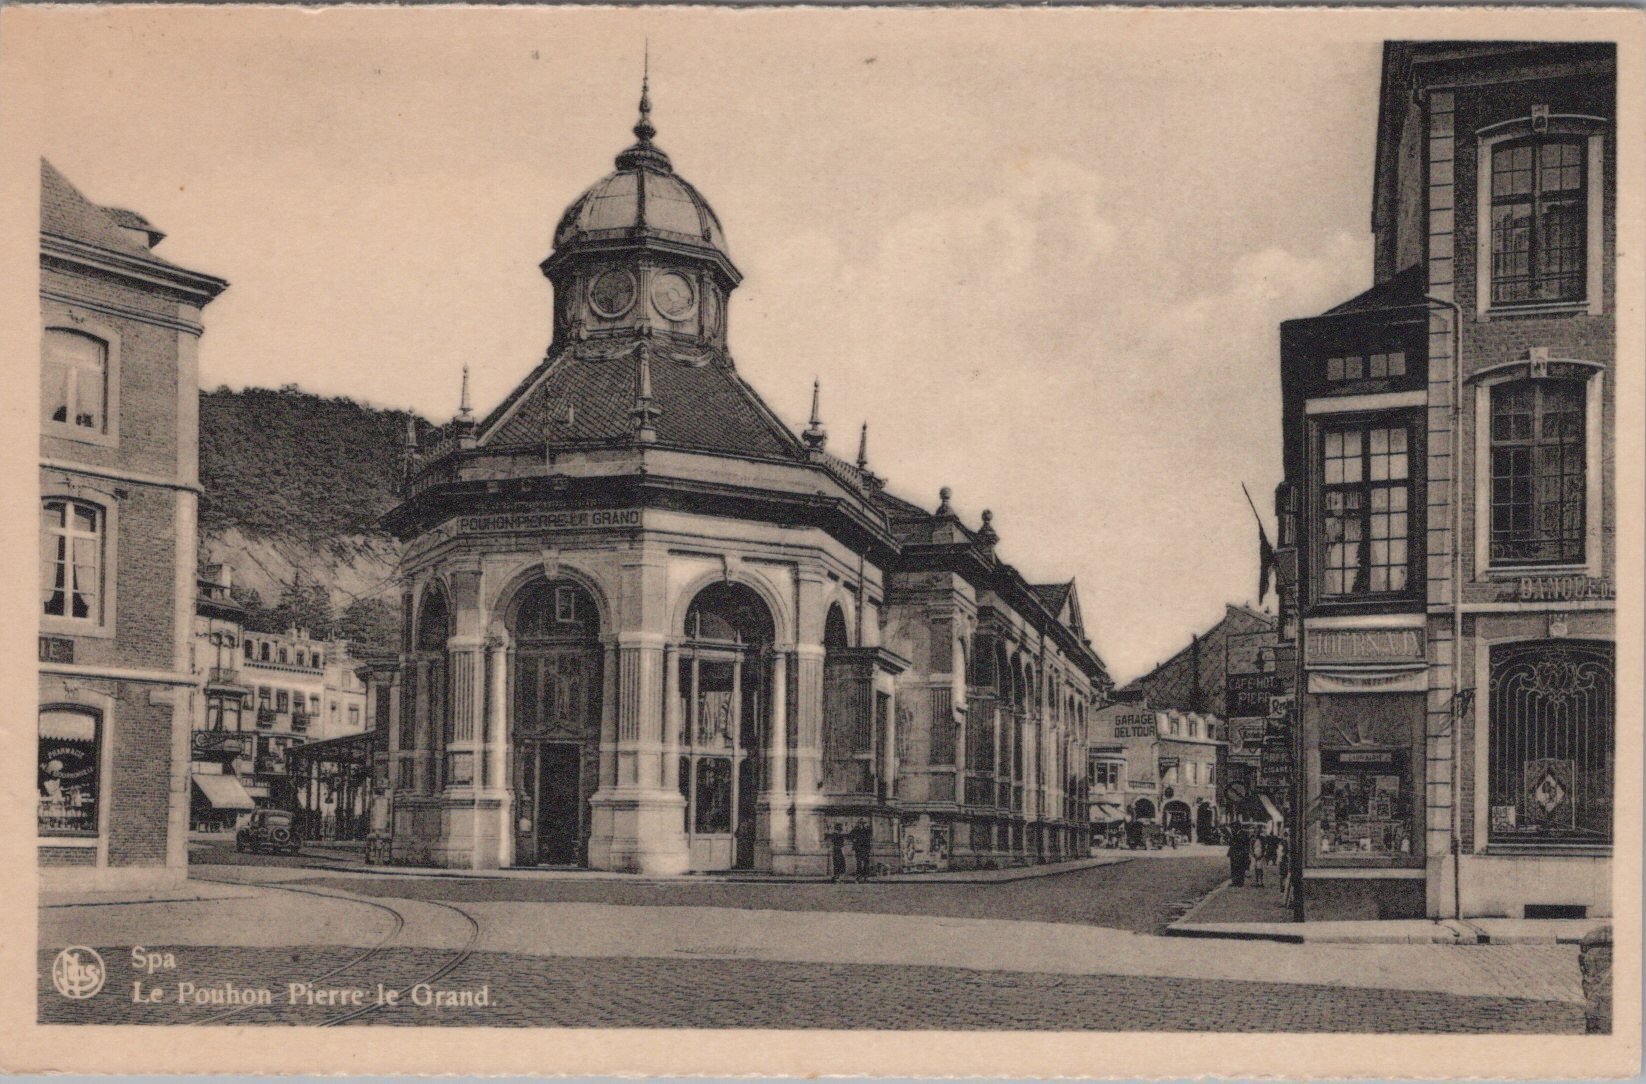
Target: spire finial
x=464, y=411
x=863, y=448
x=943, y=507
x=645, y=412
x=643, y=129
x=815, y=436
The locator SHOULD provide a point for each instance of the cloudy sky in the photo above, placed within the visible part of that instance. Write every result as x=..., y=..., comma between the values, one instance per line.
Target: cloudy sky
x=1043, y=254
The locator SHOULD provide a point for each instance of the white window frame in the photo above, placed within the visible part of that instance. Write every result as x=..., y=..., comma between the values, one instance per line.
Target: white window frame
x=95, y=496
x=1560, y=124
x=77, y=322
x=1593, y=484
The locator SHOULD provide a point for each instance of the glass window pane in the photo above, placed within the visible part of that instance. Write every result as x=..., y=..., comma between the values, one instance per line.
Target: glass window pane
x=85, y=518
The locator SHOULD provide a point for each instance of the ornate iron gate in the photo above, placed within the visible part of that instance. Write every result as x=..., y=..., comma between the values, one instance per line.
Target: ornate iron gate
x=1552, y=725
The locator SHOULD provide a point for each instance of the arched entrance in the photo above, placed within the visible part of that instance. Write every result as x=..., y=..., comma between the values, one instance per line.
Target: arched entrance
x=1143, y=810
x=556, y=701
x=724, y=693
x=1175, y=815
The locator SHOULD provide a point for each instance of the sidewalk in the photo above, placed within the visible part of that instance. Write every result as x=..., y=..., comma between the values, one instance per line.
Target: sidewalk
x=1249, y=913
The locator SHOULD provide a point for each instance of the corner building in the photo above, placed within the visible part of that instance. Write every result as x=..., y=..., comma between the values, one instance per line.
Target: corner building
x=1450, y=461
x=119, y=491
x=649, y=628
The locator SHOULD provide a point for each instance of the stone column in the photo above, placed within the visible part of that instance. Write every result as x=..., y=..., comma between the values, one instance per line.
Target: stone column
x=499, y=786
x=774, y=832
x=810, y=854
x=671, y=718
x=637, y=821
x=420, y=725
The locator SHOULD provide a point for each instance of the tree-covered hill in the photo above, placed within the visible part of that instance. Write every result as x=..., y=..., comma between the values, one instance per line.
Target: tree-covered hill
x=294, y=484
x=289, y=465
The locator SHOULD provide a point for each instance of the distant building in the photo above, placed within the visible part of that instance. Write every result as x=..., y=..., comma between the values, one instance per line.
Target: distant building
x=263, y=695
x=1450, y=479
x=1159, y=766
x=1230, y=672
x=119, y=489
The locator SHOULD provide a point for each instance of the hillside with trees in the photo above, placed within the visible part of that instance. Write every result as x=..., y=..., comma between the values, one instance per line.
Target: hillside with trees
x=294, y=486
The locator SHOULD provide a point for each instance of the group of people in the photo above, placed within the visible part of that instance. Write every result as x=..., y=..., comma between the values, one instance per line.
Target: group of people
x=1257, y=848
x=861, y=840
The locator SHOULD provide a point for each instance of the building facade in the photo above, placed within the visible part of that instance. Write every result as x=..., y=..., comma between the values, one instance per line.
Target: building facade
x=119, y=486
x=262, y=696
x=1159, y=766
x=1232, y=672
x=648, y=627
x=1450, y=498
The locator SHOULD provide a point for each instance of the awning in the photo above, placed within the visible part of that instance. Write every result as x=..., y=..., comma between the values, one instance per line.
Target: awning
x=1270, y=808
x=1109, y=811
x=224, y=792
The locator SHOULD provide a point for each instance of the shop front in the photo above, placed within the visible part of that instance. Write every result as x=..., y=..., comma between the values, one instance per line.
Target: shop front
x=1364, y=721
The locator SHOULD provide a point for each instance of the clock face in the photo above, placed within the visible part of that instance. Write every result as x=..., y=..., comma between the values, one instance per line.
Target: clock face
x=612, y=293
x=673, y=295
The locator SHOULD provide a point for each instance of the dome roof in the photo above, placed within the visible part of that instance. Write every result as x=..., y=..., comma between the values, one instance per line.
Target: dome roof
x=644, y=194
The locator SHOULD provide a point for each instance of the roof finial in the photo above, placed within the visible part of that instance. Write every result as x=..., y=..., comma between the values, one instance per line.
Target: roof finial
x=863, y=448
x=815, y=436
x=645, y=412
x=643, y=129
x=463, y=409
x=943, y=507
x=987, y=534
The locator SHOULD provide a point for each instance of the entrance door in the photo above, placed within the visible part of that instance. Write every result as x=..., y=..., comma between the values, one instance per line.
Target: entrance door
x=559, y=803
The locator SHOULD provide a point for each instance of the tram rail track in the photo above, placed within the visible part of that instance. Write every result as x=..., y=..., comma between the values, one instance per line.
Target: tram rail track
x=398, y=918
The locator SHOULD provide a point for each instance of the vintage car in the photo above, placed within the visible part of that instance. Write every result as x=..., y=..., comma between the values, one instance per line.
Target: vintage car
x=267, y=830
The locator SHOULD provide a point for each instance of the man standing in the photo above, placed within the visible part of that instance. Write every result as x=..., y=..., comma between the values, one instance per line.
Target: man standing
x=1240, y=853
x=862, y=845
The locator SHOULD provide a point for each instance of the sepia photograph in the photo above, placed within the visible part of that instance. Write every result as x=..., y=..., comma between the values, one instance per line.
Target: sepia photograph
x=764, y=540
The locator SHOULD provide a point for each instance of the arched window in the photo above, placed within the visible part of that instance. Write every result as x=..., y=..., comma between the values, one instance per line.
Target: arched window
x=725, y=690
x=250, y=650
x=263, y=653
x=69, y=770
x=433, y=630
x=75, y=368
x=71, y=559
x=284, y=657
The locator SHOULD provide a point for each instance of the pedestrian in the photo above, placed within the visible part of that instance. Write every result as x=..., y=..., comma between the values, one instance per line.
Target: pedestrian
x=862, y=845
x=837, y=852
x=1240, y=854
x=1284, y=859
x=1257, y=848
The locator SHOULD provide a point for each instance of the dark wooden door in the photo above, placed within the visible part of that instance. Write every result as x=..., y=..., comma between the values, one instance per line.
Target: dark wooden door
x=559, y=803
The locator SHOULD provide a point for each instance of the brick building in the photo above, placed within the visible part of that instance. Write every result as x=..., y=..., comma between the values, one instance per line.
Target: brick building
x=118, y=491
x=1450, y=499
x=648, y=627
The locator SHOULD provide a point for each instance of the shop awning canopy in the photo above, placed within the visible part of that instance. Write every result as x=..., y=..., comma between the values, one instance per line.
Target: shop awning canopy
x=1270, y=808
x=224, y=792
x=1109, y=811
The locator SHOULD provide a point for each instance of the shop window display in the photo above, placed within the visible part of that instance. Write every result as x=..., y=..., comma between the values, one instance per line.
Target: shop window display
x=1365, y=802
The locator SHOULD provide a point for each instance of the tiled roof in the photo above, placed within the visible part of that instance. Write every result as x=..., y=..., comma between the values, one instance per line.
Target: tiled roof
x=65, y=212
x=704, y=406
x=1053, y=595
x=1402, y=291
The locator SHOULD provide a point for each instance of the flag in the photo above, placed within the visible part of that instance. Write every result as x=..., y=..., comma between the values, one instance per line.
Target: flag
x=1265, y=552
x=1265, y=563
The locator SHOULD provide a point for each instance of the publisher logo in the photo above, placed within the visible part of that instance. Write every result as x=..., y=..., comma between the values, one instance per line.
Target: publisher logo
x=78, y=972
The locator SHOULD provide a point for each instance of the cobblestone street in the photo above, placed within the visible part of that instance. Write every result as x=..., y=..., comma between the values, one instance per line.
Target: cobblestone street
x=1072, y=950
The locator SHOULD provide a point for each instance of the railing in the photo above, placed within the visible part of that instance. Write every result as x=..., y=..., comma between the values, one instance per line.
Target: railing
x=265, y=717
x=300, y=722
x=223, y=675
